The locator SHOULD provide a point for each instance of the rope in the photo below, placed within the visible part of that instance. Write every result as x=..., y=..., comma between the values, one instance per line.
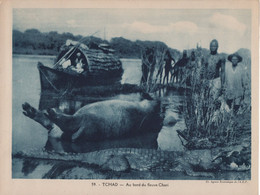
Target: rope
x=65, y=56
x=49, y=80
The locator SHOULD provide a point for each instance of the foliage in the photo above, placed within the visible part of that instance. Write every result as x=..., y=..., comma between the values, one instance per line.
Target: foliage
x=208, y=119
x=125, y=48
x=32, y=41
x=156, y=65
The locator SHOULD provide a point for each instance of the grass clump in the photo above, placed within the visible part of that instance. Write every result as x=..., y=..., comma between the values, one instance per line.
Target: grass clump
x=209, y=121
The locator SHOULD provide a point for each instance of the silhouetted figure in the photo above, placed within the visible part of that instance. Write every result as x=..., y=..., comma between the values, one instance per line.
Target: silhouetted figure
x=179, y=68
x=148, y=61
x=168, y=65
x=190, y=68
x=192, y=56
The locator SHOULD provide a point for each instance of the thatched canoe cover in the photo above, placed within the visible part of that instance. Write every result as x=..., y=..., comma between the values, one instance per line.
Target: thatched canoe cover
x=99, y=62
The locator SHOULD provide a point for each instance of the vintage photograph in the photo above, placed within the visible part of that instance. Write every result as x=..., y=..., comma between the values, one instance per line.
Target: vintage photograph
x=136, y=94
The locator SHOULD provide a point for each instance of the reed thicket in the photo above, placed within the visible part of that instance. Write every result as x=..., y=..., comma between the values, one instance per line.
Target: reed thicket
x=155, y=65
x=209, y=121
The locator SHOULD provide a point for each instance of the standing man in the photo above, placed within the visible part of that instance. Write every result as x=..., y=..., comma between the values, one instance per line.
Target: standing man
x=148, y=61
x=179, y=68
x=190, y=68
x=234, y=82
x=168, y=65
x=214, y=69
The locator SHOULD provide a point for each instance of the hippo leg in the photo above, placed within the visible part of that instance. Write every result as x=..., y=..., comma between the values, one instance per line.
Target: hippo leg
x=46, y=119
x=77, y=134
x=67, y=123
x=37, y=115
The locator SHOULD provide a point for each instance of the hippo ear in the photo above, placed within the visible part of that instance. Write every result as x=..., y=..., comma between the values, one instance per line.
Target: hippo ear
x=77, y=134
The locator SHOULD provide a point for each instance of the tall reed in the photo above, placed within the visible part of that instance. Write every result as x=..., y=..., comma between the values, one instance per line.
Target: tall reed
x=208, y=119
x=156, y=65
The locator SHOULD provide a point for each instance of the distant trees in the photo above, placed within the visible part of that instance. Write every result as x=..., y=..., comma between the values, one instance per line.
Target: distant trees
x=32, y=41
x=125, y=48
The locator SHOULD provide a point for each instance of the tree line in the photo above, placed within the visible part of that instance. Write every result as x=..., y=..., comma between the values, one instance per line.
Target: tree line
x=32, y=41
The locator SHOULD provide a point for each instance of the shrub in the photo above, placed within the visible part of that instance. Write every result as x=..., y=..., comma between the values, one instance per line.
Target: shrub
x=208, y=119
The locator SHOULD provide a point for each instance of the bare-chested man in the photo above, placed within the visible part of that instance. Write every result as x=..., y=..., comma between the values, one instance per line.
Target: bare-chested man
x=214, y=69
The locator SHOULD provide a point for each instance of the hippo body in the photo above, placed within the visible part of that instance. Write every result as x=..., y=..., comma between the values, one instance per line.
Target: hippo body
x=99, y=121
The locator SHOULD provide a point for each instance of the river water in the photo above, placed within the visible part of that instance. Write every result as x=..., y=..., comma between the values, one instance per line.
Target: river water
x=27, y=134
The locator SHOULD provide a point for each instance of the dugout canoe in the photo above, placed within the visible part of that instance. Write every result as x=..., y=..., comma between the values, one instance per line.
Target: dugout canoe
x=102, y=68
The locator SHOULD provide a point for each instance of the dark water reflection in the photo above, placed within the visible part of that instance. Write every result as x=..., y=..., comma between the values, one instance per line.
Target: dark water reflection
x=27, y=134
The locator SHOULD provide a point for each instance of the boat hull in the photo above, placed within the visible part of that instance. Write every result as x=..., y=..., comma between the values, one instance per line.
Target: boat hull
x=59, y=80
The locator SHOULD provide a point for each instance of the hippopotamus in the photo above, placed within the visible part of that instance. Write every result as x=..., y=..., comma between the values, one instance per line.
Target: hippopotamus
x=98, y=121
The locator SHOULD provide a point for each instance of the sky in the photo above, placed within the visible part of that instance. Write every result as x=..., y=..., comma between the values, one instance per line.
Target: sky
x=178, y=28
